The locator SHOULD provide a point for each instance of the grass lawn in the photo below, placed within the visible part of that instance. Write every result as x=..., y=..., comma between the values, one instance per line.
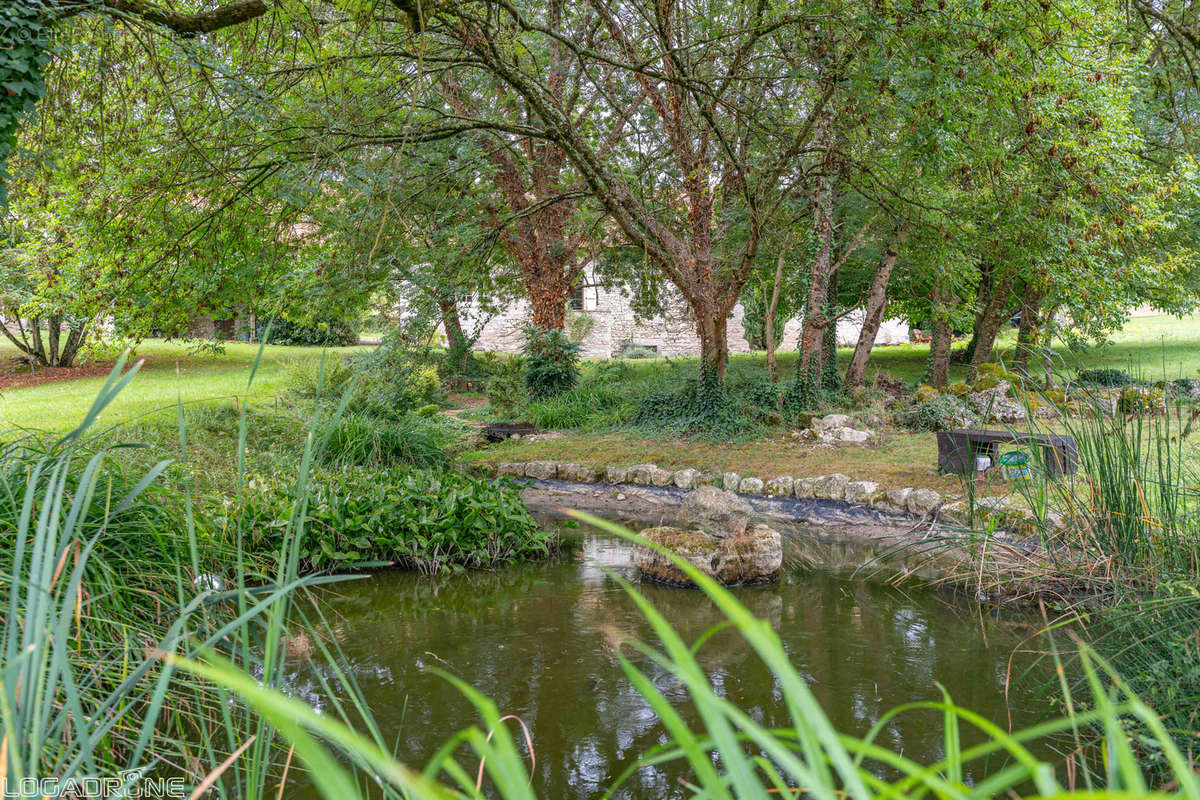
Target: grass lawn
x=170, y=373
x=1151, y=346
x=899, y=459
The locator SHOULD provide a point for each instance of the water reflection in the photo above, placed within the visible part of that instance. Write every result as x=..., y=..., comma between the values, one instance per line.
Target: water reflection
x=541, y=640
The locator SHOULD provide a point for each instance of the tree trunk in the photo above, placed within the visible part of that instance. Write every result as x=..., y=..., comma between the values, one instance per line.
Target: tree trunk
x=549, y=308
x=983, y=296
x=52, y=333
x=818, y=286
x=1027, y=333
x=939, y=344
x=872, y=315
x=1047, y=336
x=989, y=326
x=714, y=346
x=70, y=348
x=769, y=322
x=830, y=379
x=456, y=342
x=39, y=348
x=547, y=282
x=940, y=353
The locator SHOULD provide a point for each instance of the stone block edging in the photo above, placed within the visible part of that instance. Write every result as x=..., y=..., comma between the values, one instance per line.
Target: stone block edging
x=913, y=502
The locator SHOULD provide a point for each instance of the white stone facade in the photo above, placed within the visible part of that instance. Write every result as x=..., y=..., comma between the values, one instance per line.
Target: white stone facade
x=607, y=325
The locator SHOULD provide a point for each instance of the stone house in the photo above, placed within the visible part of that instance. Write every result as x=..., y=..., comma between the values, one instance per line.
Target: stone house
x=602, y=320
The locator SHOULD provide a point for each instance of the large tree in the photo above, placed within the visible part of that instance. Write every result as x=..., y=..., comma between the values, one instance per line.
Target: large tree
x=718, y=99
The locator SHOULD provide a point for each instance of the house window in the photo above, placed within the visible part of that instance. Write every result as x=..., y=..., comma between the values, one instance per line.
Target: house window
x=575, y=303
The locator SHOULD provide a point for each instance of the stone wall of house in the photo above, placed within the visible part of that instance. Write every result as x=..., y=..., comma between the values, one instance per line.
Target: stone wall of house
x=607, y=325
x=240, y=327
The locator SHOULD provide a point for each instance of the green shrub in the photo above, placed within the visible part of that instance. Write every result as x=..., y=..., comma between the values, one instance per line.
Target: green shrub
x=739, y=409
x=802, y=393
x=591, y=405
x=305, y=377
x=506, y=388
x=332, y=332
x=428, y=519
x=1056, y=396
x=985, y=382
x=661, y=408
x=924, y=393
x=1104, y=377
x=430, y=410
x=636, y=351
x=551, y=362
x=765, y=395
x=1140, y=400
x=364, y=440
x=609, y=371
x=1151, y=643
x=938, y=414
x=1186, y=388
x=990, y=368
x=392, y=382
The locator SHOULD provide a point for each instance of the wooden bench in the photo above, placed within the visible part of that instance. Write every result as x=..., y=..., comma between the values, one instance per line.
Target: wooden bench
x=957, y=449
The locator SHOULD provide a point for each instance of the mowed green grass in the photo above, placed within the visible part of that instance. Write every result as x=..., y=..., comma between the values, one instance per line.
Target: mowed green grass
x=1152, y=347
x=170, y=374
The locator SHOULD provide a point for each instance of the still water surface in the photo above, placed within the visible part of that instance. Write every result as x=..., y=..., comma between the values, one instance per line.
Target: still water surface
x=541, y=640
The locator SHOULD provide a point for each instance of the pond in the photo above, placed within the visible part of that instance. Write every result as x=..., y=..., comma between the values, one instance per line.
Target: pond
x=541, y=640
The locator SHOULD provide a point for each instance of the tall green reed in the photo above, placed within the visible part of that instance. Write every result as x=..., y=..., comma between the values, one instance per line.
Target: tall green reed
x=84, y=687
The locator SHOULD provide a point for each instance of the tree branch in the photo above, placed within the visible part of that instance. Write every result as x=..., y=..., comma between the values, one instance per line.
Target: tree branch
x=181, y=23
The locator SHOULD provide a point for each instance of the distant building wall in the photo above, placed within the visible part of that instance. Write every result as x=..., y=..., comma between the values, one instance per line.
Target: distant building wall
x=241, y=327
x=606, y=325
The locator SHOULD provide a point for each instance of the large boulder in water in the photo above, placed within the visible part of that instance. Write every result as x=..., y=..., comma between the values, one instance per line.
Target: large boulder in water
x=715, y=512
x=754, y=556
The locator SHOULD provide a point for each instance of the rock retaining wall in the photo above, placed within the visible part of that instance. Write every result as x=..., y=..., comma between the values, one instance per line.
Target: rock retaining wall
x=918, y=503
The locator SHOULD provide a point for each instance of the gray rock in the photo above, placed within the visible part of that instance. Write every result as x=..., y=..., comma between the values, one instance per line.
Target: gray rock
x=923, y=501
x=779, y=487
x=714, y=512
x=579, y=473
x=515, y=468
x=752, y=557
x=687, y=478
x=661, y=477
x=832, y=487
x=954, y=513
x=805, y=487
x=711, y=479
x=542, y=470
x=640, y=473
x=542, y=437
x=832, y=422
x=894, y=500
x=994, y=404
x=847, y=434
x=992, y=505
x=616, y=474
x=861, y=491
x=751, y=486
x=730, y=481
